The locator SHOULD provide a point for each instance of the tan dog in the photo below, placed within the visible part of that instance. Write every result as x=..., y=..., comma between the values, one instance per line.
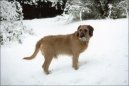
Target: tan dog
x=71, y=44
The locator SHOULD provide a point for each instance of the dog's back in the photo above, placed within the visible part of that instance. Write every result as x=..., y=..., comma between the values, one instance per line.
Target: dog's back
x=56, y=45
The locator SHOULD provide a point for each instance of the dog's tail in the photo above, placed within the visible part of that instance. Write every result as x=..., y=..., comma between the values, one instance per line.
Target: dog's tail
x=37, y=47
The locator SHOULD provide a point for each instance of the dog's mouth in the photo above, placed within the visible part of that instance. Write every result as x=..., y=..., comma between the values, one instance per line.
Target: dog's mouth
x=83, y=39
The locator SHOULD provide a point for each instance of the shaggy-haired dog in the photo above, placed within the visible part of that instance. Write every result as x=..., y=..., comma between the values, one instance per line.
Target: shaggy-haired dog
x=70, y=44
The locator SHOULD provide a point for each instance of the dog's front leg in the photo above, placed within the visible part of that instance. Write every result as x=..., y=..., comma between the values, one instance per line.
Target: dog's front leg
x=75, y=61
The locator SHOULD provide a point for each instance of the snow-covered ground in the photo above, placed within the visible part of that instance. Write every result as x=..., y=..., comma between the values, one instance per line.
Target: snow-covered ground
x=105, y=62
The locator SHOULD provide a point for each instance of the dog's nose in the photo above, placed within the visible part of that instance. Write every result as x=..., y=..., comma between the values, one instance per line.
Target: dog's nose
x=82, y=35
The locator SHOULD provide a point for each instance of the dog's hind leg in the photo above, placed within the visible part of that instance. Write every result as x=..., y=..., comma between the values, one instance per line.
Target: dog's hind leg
x=46, y=64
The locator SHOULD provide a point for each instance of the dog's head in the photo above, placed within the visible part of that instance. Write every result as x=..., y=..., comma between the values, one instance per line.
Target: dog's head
x=84, y=32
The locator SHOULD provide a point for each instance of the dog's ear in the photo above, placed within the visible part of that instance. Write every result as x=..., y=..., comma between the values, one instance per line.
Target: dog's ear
x=77, y=32
x=78, y=27
x=91, y=29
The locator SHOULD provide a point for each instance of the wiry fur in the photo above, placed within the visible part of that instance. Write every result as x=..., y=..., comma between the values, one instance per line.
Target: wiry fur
x=71, y=44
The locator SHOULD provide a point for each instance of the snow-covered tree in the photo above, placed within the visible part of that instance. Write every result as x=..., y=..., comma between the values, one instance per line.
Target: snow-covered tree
x=123, y=5
x=118, y=9
x=10, y=11
x=81, y=9
x=96, y=9
x=11, y=25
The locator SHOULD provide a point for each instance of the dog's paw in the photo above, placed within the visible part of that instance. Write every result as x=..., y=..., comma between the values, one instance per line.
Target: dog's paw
x=47, y=72
x=76, y=68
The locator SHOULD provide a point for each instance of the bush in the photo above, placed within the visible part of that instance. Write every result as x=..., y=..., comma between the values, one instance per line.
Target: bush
x=96, y=9
x=11, y=25
x=82, y=10
x=10, y=31
x=119, y=9
x=10, y=11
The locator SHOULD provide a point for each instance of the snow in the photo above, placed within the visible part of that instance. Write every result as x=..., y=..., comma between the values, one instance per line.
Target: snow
x=105, y=62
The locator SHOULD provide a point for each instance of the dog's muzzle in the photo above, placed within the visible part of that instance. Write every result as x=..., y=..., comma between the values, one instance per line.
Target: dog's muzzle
x=82, y=35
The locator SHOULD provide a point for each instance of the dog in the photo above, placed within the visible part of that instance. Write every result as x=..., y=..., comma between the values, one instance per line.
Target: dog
x=70, y=44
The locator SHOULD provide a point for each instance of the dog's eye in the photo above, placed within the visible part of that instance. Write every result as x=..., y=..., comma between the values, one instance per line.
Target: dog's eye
x=85, y=30
x=80, y=30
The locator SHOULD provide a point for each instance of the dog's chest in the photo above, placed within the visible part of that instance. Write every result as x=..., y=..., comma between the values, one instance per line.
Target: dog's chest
x=83, y=46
